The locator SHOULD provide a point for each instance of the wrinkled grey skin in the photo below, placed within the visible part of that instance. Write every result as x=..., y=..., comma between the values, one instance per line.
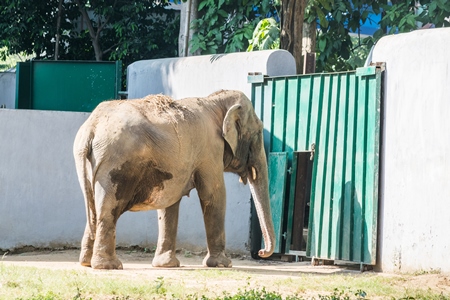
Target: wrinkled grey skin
x=148, y=153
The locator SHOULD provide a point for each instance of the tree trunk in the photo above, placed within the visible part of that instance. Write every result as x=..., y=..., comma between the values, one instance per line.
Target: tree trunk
x=188, y=14
x=292, y=15
x=309, y=47
x=94, y=34
x=58, y=29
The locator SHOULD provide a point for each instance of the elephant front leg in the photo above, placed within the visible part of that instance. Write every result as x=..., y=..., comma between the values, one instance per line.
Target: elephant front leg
x=213, y=205
x=167, y=235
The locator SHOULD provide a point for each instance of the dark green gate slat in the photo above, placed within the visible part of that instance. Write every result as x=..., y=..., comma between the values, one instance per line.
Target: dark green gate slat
x=339, y=113
x=277, y=191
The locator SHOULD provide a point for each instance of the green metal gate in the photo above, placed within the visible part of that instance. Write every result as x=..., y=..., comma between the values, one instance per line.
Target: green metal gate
x=66, y=85
x=329, y=124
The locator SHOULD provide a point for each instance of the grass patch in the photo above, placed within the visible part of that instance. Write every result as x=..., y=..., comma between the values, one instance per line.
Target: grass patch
x=18, y=282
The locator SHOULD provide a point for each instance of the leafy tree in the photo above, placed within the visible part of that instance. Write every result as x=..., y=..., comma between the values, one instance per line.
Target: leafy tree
x=129, y=30
x=404, y=16
x=339, y=44
x=265, y=36
x=339, y=18
x=95, y=29
x=30, y=27
x=227, y=25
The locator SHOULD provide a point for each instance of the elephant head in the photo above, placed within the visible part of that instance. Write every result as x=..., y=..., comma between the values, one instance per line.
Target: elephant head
x=245, y=155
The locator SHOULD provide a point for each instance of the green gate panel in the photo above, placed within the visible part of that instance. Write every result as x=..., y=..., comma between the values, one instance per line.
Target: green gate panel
x=23, y=85
x=337, y=115
x=66, y=85
x=277, y=191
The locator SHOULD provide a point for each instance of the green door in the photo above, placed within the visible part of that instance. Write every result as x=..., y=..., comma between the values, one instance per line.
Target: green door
x=277, y=191
x=336, y=118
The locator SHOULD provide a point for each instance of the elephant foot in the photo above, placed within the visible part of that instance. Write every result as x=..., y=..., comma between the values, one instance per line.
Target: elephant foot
x=165, y=260
x=220, y=261
x=85, y=257
x=98, y=262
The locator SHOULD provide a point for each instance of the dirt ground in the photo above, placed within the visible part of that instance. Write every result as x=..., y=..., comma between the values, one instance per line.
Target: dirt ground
x=137, y=259
x=137, y=262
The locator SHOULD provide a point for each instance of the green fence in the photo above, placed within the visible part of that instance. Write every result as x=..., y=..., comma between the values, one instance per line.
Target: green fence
x=328, y=127
x=66, y=85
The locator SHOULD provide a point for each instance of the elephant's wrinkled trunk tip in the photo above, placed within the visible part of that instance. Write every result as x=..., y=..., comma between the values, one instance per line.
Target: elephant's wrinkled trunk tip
x=264, y=253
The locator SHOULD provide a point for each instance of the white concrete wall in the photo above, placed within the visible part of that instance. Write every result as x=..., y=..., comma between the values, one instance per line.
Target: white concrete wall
x=8, y=89
x=41, y=202
x=415, y=174
x=199, y=76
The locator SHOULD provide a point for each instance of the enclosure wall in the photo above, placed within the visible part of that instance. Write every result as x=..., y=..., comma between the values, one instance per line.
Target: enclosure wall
x=415, y=189
x=41, y=202
x=7, y=89
x=199, y=76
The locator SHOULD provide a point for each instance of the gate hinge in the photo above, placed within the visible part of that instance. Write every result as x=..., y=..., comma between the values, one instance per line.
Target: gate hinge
x=313, y=149
x=379, y=65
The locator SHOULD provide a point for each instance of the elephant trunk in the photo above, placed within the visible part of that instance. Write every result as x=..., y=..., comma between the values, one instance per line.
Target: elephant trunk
x=259, y=188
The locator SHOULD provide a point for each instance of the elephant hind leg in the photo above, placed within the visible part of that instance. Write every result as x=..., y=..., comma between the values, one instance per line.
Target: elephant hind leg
x=104, y=251
x=107, y=212
x=167, y=235
x=87, y=245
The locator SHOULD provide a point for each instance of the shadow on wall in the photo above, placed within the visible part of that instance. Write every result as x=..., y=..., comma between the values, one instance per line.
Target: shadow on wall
x=351, y=227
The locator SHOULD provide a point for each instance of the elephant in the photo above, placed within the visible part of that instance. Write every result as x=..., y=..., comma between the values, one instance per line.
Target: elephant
x=146, y=154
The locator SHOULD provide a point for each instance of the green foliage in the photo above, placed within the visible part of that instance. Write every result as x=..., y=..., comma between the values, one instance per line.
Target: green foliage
x=335, y=48
x=128, y=30
x=337, y=18
x=227, y=25
x=343, y=295
x=404, y=16
x=159, y=286
x=259, y=294
x=29, y=26
x=265, y=36
x=149, y=30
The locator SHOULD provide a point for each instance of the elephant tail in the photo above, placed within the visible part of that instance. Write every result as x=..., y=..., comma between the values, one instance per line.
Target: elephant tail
x=82, y=150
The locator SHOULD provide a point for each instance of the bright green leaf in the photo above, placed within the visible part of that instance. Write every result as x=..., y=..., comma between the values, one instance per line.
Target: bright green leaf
x=222, y=13
x=202, y=4
x=322, y=44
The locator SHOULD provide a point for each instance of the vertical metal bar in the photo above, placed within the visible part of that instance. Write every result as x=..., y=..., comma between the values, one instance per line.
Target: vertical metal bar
x=335, y=183
x=118, y=85
x=342, y=154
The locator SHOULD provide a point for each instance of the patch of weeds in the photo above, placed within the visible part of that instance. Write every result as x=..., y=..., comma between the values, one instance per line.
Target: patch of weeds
x=187, y=253
x=258, y=294
x=423, y=295
x=47, y=296
x=159, y=286
x=426, y=272
x=343, y=295
x=12, y=285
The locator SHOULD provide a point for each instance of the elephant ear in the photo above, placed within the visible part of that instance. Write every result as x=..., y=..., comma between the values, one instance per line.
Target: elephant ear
x=231, y=127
